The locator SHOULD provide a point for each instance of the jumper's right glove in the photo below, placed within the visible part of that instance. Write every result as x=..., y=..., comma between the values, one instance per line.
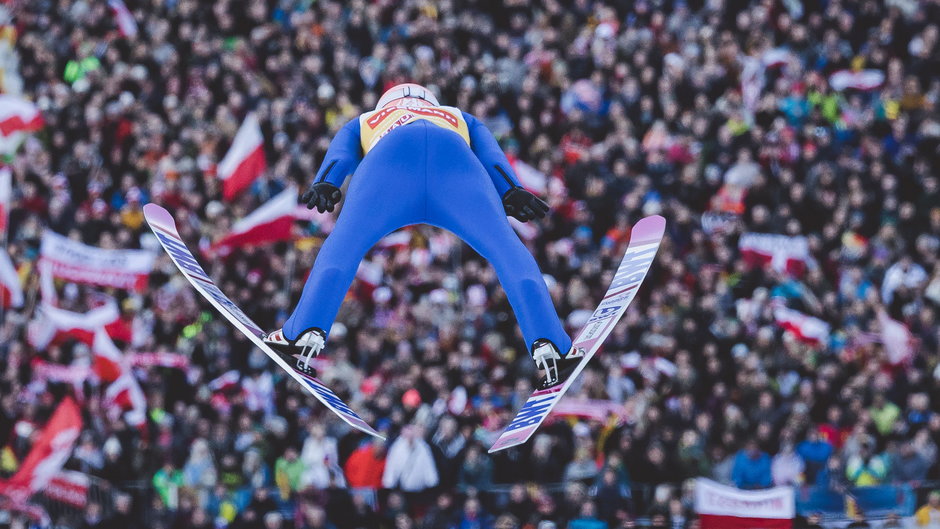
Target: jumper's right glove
x=322, y=195
x=523, y=205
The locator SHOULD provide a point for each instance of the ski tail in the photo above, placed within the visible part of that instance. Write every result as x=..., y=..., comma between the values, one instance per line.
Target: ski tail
x=644, y=243
x=164, y=227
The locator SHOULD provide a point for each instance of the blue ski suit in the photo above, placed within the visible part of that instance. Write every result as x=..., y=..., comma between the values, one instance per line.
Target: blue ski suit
x=423, y=171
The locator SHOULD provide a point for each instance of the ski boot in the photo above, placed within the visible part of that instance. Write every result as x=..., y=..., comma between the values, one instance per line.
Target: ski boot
x=557, y=367
x=300, y=351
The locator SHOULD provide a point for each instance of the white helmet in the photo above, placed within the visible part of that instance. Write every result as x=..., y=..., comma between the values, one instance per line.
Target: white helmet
x=409, y=90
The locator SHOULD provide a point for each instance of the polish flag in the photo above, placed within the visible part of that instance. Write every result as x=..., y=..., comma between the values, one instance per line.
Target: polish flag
x=860, y=80
x=723, y=507
x=398, y=240
x=54, y=324
x=123, y=17
x=48, y=455
x=370, y=273
x=807, y=329
x=125, y=396
x=18, y=117
x=11, y=292
x=6, y=199
x=244, y=162
x=531, y=178
x=775, y=57
x=225, y=382
x=123, y=393
x=271, y=222
x=783, y=253
x=897, y=340
x=107, y=361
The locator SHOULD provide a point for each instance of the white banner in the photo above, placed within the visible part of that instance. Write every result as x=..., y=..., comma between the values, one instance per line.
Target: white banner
x=81, y=263
x=716, y=499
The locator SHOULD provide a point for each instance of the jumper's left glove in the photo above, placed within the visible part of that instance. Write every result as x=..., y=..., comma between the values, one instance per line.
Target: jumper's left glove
x=322, y=195
x=523, y=205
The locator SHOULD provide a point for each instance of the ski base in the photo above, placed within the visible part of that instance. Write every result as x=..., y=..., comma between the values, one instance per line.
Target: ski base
x=644, y=242
x=164, y=227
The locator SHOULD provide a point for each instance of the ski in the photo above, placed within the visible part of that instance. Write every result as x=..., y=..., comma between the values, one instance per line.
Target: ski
x=644, y=242
x=164, y=227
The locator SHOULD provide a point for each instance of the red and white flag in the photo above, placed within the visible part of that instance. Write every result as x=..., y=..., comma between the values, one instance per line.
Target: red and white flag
x=898, y=341
x=244, y=162
x=272, y=222
x=398, y=240
x=370, y=273
x=47, y=456
x=775, y=57
x=53, y=324
x=107, y=360
x=80, y=263
x=6, y=199
x=123, y=18
x=860, y=80
x=69, y=487
x=227, y=381
x=807, y=329
x=531, y=178
x=125, y=396
x=783, y=253
x=11, y=291
x=18, y=117
x=723, y=507
x=159, y=359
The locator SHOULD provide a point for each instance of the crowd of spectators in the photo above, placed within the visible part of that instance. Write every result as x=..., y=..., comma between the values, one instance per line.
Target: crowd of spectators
x=630, y=108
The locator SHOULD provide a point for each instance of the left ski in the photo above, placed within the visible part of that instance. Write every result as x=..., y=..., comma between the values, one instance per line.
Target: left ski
x=163, y=226
x=644, y=242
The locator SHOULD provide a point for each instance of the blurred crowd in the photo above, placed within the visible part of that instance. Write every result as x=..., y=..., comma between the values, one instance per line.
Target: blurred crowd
x=628, y=108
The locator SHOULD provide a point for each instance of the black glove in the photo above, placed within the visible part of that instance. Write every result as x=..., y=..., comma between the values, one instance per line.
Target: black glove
x=523, y=205
x=322, y=195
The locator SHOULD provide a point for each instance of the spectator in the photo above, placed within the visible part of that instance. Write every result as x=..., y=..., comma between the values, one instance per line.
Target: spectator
x=288, y=473
x=612, y=495
x=587, y=518
x=410, y=465
x=476, y=471
x=319, y=459
x=441, y=514
x=364, y=469
x=751, y=468
x=866, y=468
x=582, y=468
x=786, y=468
x=815, y=452
x=928, y=515
x=167, y=482
x=909, y=466
x=474, y=517
x=199, y=473
x=884, y=413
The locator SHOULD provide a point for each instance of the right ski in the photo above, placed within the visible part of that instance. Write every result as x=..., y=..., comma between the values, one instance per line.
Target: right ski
x=163, y=226
x=644, y=242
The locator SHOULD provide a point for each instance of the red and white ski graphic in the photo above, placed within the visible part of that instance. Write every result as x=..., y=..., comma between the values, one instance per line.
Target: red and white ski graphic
x=163, y=226
x=644, y=242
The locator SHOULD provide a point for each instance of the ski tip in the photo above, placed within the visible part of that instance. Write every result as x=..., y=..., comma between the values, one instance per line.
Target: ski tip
x=155, y=212
x=652, y=221
x=649, y=228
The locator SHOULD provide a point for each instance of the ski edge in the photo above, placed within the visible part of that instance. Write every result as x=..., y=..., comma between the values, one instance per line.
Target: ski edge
x=625, y=298
x=160, y=219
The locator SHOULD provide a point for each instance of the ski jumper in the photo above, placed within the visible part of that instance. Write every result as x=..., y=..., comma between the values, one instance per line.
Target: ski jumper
x=428, y=165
